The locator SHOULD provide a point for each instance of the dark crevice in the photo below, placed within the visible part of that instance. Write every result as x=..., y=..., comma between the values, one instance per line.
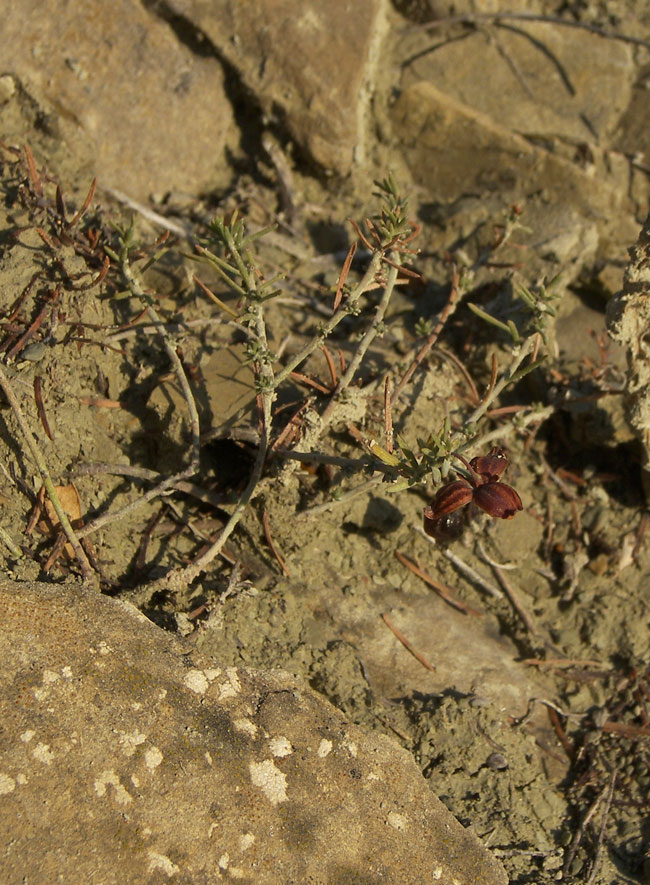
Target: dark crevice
x=246, y=109
x=249, y=115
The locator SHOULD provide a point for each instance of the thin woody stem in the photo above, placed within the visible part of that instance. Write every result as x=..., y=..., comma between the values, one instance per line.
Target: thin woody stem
x=362, y=286
x=46, y=478
x=526, y=348
x=364, y=344
x=450, y=307
x=180, y=578
x=136, y=288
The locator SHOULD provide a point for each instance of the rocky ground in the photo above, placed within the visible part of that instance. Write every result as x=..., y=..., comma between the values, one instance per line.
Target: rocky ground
x=521, y=142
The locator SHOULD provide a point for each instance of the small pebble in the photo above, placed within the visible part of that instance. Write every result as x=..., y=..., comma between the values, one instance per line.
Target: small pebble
x=7, y=88
x=33, y=352
x=497, y=761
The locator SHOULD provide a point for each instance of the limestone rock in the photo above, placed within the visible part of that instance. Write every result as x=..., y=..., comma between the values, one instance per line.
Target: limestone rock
x=545, y=80
x=310, y=65
x=452, y=150
x=628, y=319
x=114, y=82
x=126, y=757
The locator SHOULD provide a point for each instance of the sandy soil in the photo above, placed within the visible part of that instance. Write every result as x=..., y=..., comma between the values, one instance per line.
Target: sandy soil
x=533, y=723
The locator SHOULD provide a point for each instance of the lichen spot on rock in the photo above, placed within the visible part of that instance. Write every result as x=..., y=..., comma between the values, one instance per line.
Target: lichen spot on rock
x=280, y=746
x=7, y=784
x=324, y=748
x=246, y=726
x=109, y=778
x=271, y=781
x=152, y=758
x=245, y=841
x=232, y=687
x=398, y=821
x=161, y=862
x=42, y=753
x=195, y=680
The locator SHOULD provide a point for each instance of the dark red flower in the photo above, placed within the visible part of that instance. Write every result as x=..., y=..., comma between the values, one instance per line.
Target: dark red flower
x=484, y=488
x=450, y=497
x=492, y=465
x=497, y=499
x=444, y=529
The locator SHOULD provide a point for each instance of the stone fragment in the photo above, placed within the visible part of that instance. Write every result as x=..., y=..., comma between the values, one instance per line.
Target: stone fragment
x=453, y=152
x=117, y=85
x=534, y=78
x=128, y=757
x=453, y=149
x=310, y=66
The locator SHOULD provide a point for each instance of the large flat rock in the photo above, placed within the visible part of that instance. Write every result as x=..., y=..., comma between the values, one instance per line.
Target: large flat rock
x=142, y=110
x=310, y=66
x=126, y=757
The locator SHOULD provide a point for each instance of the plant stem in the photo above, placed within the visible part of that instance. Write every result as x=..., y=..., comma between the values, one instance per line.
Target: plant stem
x=519, y=355
x=180, y=578
x=448, y=310
x=136, y=289
x=362, y=286
x=364, y=344
x=64, y=522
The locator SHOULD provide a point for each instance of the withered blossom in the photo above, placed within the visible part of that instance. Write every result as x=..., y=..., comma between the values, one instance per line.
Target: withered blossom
x=483, y=487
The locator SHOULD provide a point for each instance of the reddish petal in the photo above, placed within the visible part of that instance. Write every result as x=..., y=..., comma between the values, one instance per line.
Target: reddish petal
x=451, y=497
x=492, y=465
x=498, y=500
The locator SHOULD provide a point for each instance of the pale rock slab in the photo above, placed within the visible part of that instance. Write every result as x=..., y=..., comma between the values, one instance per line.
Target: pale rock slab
x=124, y=758
x=310, y=66
x=112, y=80
x=534, y=78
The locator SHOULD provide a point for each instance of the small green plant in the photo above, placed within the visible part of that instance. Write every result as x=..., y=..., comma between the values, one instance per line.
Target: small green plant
x=388, y=237
x=229, y=250
x=363, y=292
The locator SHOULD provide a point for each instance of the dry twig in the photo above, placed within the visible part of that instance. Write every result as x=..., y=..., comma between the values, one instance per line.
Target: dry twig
x=407, y=645
x=36, y=454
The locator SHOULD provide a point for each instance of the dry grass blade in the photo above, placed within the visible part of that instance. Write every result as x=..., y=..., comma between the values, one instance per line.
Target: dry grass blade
x=213, y=297
x=442, y=591
x=407, y=645
x=84, y=207
x=40, y=408
x=291, y=431
x=562, y=736
x=345, y=270
x=29, y=334
x=330, y=365
x=310, y=382
x=33, y=174
x=37, y=511
x=60, y=203
x=272, y=545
